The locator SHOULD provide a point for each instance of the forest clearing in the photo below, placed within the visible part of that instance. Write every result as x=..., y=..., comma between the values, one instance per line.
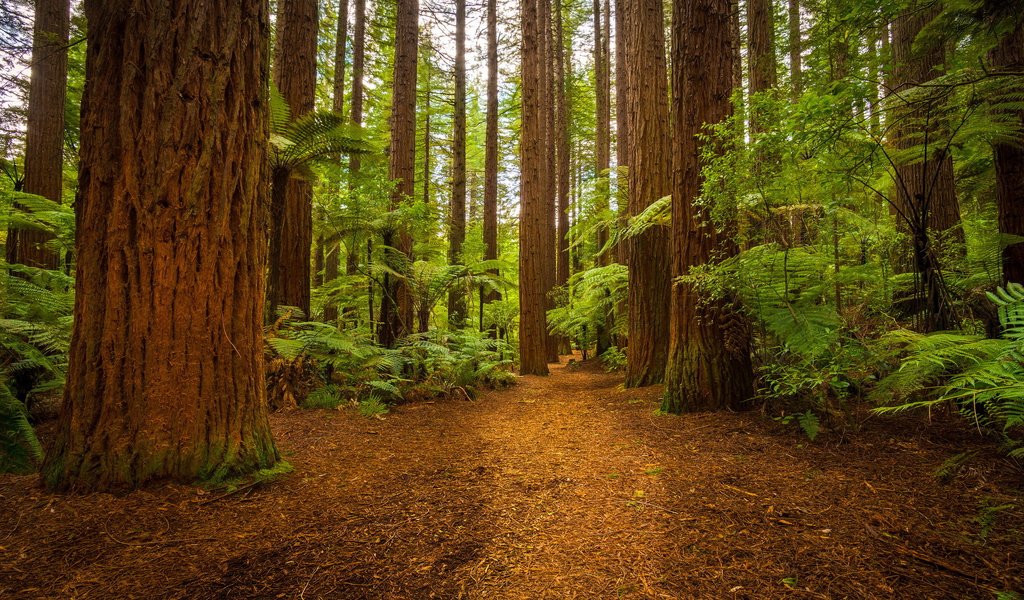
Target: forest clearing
x=560, y=487
x=512, y=299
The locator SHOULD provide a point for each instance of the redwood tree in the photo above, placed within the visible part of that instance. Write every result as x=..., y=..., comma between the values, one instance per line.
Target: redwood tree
x=534, y=206
x=457, y=208
x=926, y=205
x=44, y=144
x=761, y=52
x=709, y=352
x=166, y=365
x=1009, y=159
x=291, y=207
x=621, y=123
x=331, y=246
x=649, y=180
x=396, y=309
x=491, y=150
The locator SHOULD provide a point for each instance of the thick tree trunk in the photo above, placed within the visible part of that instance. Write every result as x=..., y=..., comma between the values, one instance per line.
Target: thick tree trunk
x=535, y=213
x=649, y=180
x=166, y=365
x=292, y=227
x=396, y=308
x=457, y=208
x=491, y=148
x=1009, y=159
x=709, y=364
x=44, y=144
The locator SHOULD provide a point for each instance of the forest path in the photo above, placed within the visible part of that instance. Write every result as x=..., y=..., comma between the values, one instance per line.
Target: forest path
x=561, y=487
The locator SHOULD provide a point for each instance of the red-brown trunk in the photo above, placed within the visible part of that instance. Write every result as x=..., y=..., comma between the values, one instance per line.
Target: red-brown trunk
x=649, y=180
x=166, y=365
x=709, y=364
x=44, y=144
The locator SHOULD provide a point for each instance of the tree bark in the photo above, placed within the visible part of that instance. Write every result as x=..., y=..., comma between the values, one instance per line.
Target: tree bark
x=709, y=365
x=396, y=307
x=44, y=143
x=621, y=127
x=926, y=204
x=562, y=137
x=761, y=52
x=602, y=138
x=331, y=247
x=166, y=379
x=795, y=51
x=1009, y=159
x=457, y=208
x=491, y=148
x=550, y=169
x=291, y=227
x=535, y=213
x=649, y=180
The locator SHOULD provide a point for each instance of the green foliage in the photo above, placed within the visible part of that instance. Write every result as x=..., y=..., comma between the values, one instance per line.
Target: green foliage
x=589, y=303
x=613, y=359
x=315, y=137
x=983, y=377
x=20, y=451
x=807, y=421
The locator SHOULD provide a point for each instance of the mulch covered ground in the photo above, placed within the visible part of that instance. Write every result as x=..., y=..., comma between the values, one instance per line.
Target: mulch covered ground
x=562, y=487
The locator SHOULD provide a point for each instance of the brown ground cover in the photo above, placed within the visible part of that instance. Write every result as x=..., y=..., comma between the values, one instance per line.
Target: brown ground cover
x=562, y=487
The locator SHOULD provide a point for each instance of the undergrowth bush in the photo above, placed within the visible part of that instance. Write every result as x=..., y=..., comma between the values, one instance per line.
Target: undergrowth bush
x=316, y=365
x=982, y=377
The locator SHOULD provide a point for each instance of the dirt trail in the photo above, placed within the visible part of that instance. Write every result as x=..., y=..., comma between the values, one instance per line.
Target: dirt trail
x=562, y=487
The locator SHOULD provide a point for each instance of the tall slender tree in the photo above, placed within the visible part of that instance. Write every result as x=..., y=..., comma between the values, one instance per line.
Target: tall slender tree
x=491, y=151
x=355, y=161
x=649, y=180
x=550, y=168
x=44, y=144
x=166, y=366
x=396, y=307
x=457, y=207
x=621, y=124
x=562, y=139
x=602, y=138
x=291, y=206
x=534, y=206
x=926, y=205
x=1009, y=159
x=795, y=51
x=332, y=245
x=761, y=53
x=709, y=351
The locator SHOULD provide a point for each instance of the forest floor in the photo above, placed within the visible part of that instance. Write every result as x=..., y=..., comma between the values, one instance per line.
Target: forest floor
x=561, y=487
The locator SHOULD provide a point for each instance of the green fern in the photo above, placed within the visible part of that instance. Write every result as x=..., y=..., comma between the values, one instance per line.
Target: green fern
x=20, y=450
x=983, y=377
